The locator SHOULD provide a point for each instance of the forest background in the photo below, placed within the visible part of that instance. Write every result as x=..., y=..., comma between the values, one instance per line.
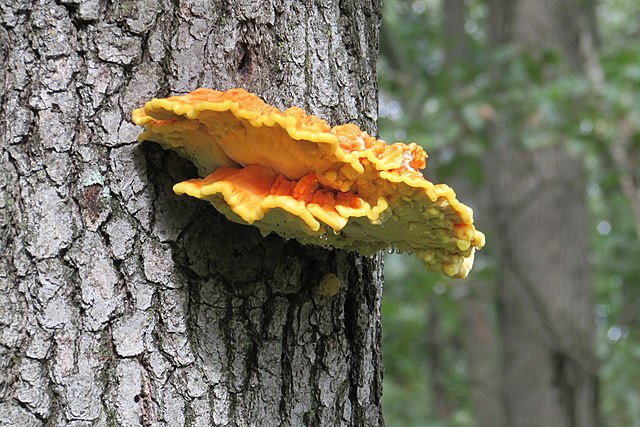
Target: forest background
x=446, y=83
x=121, y=303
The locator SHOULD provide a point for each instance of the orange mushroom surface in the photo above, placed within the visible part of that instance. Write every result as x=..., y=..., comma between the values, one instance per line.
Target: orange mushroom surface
x=293, y=174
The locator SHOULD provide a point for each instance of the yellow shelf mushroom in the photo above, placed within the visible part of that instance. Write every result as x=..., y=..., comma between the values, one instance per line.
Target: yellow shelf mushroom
x=293, y=174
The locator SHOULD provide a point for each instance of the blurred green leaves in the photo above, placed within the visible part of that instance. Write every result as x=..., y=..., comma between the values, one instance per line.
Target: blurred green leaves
x=453, y=111
x=415, y=302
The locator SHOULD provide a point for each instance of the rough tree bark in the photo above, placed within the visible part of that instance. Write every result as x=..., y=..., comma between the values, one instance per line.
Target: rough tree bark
x=123, y=304
x=540, y=218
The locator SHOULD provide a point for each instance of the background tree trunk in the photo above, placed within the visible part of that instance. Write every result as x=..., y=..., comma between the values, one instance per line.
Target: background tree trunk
x=540, y=218
x=123, y=304
x=480, y=335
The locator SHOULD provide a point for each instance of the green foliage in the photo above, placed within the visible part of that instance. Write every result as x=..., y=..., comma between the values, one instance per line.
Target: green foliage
x=452, y=110
x=411, y=294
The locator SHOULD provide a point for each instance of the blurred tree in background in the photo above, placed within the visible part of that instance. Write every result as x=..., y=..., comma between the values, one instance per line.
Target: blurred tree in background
x=530, y=109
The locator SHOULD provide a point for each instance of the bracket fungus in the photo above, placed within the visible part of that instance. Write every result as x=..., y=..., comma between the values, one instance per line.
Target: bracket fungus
x=293, y=174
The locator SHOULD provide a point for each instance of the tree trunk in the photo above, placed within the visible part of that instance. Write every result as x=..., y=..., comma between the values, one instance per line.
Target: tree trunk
x=123, y=304
x=455, y=38
x=545, y=293
x=540, y=218
x=480, y=335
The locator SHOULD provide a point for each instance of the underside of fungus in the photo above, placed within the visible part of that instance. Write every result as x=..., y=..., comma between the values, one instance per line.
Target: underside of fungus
x=293, y=174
